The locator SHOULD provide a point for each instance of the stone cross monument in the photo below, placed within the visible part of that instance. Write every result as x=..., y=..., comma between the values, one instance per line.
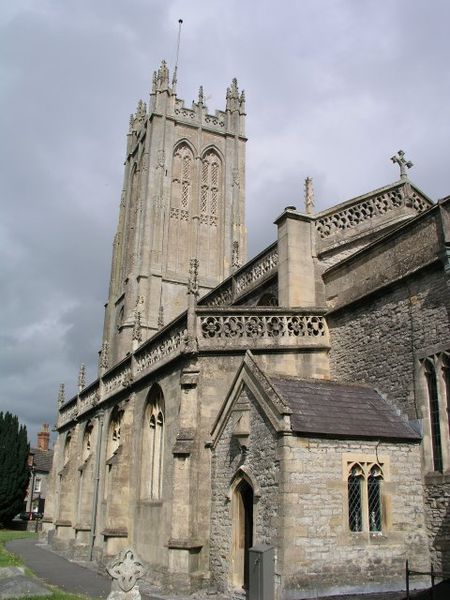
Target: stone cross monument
x=126, y=569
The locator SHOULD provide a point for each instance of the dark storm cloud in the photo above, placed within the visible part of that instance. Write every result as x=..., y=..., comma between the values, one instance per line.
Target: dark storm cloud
x=334, y=88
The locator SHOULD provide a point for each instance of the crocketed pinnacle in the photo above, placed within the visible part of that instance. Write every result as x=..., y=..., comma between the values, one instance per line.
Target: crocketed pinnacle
x=234, y=101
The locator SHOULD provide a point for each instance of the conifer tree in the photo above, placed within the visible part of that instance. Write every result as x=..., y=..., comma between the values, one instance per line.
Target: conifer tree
x=14, y=471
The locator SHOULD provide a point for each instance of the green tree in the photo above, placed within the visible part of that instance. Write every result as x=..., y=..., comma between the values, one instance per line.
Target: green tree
x=14, y=471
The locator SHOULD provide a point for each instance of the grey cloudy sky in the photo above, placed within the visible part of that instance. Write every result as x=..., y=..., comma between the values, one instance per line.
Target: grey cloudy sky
x=334, y=88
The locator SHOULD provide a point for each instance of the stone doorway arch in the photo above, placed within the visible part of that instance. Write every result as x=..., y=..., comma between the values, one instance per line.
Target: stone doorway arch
x=242, y=532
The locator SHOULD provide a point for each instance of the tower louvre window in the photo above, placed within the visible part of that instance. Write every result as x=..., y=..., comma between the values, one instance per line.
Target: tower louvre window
x=210, y=188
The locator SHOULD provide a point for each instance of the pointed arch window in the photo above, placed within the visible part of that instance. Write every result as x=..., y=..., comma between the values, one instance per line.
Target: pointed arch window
x=153, y=445
x=446, y=375
x=374, y=498
x=433, y=399
x=354, y=484
x=67, y=446
x=182, y=183
x=364, y=493
x=113, y=447
x=87, y=440
x=210, y=189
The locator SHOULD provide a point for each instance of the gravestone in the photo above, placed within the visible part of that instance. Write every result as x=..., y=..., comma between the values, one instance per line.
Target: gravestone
x=126, y=569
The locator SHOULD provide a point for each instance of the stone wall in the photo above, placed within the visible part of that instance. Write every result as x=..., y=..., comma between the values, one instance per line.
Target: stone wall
x=380, y=340
x=320, y=555
x=261, y=460
x=437, y=502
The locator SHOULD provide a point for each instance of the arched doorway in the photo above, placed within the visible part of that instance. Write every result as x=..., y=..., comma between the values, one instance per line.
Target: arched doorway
x=242, y=538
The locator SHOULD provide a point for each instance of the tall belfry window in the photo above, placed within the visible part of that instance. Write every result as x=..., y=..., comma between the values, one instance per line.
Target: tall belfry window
x=181, y=183
x=179, y=239
x=210, y=212
x=210, y=188
x=433, y=399
x=153, y=445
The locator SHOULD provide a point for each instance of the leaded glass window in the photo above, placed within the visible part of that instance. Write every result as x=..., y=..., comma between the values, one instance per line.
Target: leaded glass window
x=374, y=498
x=364, y=488
x=354, y=499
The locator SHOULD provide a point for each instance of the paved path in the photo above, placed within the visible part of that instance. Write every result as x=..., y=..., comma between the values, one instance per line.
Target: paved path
x=74, y=578
x=59, y=571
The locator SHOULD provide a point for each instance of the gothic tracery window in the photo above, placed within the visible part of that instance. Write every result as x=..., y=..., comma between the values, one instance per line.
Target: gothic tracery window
x=374, y=498
x=153, y=445
x=354, y=484
x=181, y=183
x=364, y=497
x=113, y=445
x=87, y=440
x=210, y=188
x=67, y=446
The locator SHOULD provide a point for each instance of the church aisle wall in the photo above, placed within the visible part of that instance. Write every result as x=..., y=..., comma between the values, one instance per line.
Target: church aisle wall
x=384, y=340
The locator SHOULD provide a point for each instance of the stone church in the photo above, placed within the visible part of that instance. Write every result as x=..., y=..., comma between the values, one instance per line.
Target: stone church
x=299, y=399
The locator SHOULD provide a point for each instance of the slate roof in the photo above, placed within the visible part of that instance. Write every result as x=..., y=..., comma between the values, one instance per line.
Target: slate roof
x=332, y=409
x=42, y=459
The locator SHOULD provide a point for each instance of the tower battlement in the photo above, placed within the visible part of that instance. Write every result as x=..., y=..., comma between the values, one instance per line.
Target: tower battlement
x=183, y=197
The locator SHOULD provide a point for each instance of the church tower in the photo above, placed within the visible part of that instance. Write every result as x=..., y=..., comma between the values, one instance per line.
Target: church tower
x=183, y=197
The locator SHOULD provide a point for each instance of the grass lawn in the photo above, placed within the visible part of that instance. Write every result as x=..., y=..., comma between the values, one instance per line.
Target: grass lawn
x=7, y=559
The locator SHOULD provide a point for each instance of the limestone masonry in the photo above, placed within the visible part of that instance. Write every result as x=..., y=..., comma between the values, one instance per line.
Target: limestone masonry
x=299, y=399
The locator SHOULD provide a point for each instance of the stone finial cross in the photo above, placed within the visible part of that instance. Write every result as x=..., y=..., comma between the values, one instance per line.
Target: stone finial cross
x=309, y=196
x=400, y=159
x=125, y=570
